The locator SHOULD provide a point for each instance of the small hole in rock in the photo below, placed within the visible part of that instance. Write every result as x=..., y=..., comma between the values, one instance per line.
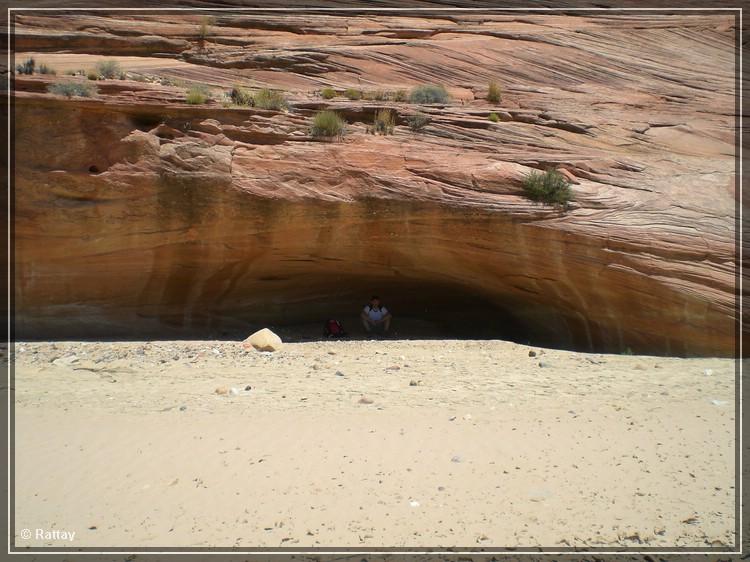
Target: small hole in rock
x=93, y=169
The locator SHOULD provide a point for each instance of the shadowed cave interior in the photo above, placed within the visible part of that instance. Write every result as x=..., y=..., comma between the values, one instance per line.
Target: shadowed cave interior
x=421, y=310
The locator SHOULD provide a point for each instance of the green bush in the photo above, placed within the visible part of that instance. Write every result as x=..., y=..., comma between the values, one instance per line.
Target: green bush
x=240, y=96
x=493, y=117
x=269, y=99
x=328, y=93
x=26, y=67
x=70, y=89
x=197, y=95
x=550, y=187
x=418, y=121
x=429, y=93
x=494, y=93
x=328, y=124
x=400, y=95
x=44, y=69
x=108, y=69
x=384, y=122
x=352, y=94
x=92, y=75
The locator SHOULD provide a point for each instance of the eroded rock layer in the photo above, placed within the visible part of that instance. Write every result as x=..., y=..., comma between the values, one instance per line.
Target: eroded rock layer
x=138, y=214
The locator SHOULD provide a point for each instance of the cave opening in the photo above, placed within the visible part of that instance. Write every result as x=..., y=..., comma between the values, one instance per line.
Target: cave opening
x=420, y=309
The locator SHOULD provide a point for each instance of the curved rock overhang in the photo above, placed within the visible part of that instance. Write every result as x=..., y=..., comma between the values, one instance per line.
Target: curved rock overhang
x=139, y=216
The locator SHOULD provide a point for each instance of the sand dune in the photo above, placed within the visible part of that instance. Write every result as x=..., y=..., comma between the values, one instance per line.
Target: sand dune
x=366, y=444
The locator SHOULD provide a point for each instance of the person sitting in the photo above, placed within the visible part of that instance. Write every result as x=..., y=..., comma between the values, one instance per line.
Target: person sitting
x=375, y=317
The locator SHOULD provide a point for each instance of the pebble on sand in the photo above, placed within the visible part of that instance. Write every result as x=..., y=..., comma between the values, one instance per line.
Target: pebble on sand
x=365, y=400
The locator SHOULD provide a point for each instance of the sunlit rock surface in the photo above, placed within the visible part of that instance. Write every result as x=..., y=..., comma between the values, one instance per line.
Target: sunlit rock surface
x=138, y=214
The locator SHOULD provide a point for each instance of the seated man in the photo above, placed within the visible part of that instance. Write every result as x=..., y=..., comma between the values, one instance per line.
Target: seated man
x=376, y=318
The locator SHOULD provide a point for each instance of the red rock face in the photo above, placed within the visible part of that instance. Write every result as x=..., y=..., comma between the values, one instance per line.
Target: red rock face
x=140, y=215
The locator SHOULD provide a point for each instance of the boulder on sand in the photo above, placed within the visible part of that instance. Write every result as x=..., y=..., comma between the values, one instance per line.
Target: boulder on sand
x=263, y=340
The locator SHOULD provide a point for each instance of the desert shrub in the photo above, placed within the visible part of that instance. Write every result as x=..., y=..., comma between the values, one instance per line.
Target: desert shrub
x=328, y=93
x=44, y=69
x=169, y=81
x=377, y=95
x=429, y=93
x=384, y=122
x=328, y=124
x=269, y=99
x=108, y=69
x=418, y=121
x=400, y=95
x=204, y=28
x=494, y=93
x=70, y=89
x=493, y=117
x=550, y=187
x=26, y=67
x=240, y=96
x=92, y=75
x=197, y=95
x=352, y=94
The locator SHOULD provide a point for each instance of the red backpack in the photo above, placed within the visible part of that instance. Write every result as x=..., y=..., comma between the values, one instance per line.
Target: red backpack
x=333, y=329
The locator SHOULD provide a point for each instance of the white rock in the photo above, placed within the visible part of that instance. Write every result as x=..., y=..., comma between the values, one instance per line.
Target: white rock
x=68, y=360
x=264, y=340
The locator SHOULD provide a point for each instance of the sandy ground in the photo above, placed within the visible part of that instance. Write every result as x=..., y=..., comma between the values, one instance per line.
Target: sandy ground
x=365, y=444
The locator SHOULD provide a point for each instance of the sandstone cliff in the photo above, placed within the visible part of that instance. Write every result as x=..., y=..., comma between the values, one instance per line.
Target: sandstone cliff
x=139, y=214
